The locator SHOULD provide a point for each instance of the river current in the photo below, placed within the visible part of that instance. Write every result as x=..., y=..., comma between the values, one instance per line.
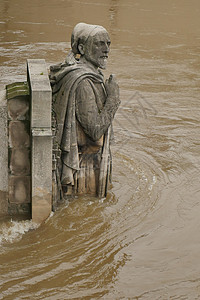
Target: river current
x=142, y=241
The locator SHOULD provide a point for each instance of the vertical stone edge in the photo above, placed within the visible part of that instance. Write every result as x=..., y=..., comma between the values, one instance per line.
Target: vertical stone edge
x=41, y=135
x=3, y=154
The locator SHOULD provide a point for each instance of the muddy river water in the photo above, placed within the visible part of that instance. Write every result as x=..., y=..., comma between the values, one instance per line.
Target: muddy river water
x=143, y=241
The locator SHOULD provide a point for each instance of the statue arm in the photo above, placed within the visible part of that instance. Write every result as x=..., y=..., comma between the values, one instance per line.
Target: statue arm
x=94, y=122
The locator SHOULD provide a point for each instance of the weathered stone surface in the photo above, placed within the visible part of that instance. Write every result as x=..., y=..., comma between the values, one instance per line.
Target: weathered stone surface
x=20, y=161
x=41, y=99
x=41, y=177
x=3, y=154
x=20, y=209
x=18, y=108
x=19, y=148
x=41, y=206
x=19, y=189
x=17, y=89
x=19, y=136
x=3, y=203
x=41, y=93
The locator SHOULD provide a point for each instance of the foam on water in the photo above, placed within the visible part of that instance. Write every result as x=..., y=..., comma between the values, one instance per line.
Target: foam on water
x=14, y=230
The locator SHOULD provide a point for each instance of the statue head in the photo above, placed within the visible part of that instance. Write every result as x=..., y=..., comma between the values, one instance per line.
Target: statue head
x=92, y=42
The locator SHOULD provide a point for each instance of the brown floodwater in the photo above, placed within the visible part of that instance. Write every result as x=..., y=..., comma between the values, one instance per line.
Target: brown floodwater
x=143, y=241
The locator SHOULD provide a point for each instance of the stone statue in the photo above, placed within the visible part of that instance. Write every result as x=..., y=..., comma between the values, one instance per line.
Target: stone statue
x=84, y=107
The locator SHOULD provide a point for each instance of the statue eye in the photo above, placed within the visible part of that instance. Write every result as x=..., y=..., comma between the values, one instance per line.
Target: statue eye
x=102, y=43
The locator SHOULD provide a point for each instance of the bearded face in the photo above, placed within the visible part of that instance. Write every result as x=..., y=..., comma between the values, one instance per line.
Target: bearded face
x=96, y=49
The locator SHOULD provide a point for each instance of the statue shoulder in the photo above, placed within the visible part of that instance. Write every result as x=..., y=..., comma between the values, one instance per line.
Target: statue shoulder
x=85, y=86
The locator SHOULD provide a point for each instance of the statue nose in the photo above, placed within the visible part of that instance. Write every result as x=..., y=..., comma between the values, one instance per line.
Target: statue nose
x=106, y=49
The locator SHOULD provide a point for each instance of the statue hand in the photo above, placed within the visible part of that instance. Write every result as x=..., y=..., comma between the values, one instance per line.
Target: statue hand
x=112, y=88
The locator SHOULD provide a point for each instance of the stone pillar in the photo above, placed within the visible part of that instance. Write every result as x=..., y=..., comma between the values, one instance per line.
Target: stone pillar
x=41, y=165
x=3, y=155
x=19, y=177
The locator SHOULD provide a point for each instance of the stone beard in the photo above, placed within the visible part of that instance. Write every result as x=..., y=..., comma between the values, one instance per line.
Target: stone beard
x=84, y=107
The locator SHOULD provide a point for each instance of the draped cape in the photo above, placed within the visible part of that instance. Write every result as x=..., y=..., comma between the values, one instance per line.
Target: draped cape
x=64, y=81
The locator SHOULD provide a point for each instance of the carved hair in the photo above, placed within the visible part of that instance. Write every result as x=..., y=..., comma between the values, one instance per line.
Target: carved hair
x=81, y=33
